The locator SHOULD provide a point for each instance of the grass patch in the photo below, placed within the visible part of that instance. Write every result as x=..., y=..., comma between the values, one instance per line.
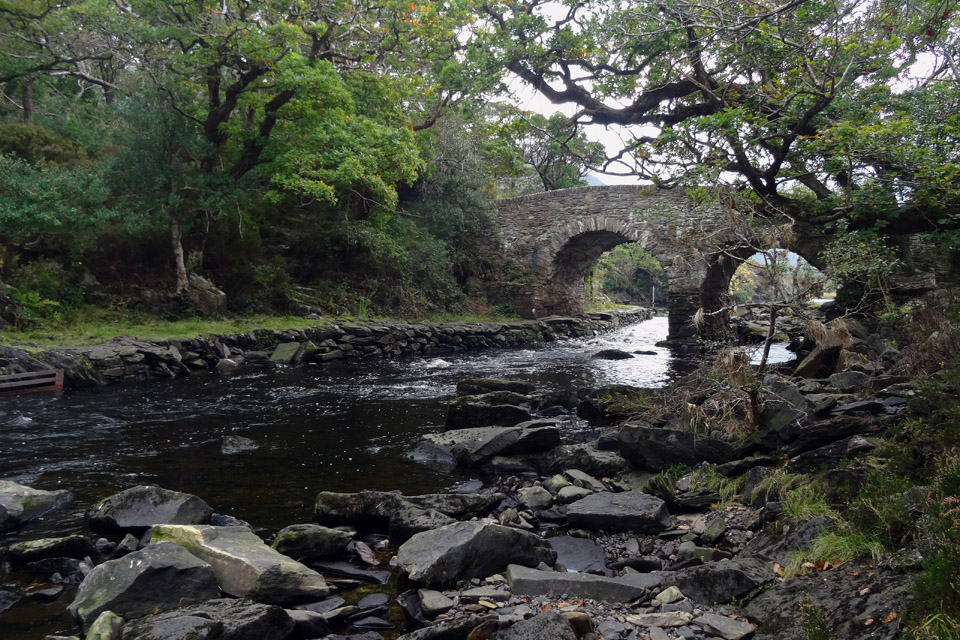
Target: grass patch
x=835, y=548
x=100, y=325
x=727, y=488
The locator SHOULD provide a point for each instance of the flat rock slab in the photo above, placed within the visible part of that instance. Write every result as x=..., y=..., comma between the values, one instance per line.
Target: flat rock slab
x=724, y=627
x=246, y=567
x=656, y=448
x=139, y=508
x=472, y=447
x=533, y=582
x=20, y=504
x=627, y=511
x=578, y=554
x=347, y=570
x=720, y=581
x=491, y=409
x=219, y=619
x=156, y=578
x=469, y=550
x=400, y=516
x=75, y=546
x=307, y=542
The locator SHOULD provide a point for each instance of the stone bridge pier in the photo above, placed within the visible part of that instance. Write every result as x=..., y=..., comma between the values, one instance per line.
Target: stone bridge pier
x=557, y=235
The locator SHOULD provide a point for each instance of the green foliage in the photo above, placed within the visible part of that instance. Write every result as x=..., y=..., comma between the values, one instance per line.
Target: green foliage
x=627, y=274
x=814, y=623
x=38, y=145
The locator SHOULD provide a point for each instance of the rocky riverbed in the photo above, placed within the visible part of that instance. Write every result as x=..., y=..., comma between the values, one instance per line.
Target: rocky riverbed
x=661, y=527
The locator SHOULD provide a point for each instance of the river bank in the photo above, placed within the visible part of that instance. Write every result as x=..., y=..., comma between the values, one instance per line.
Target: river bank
x=126, y=359
x=657, y=525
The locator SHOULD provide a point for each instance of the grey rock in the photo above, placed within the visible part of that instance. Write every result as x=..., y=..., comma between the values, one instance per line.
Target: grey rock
x=725, y=627
x=20, y=504
x=572, y=494
x=214, y=620
x=434, y=603
x=472, y=596
x=585, y=480
x=246, y=567
x=107, y=626
x=534, y=498
x=578, y=554
x=477, y=386
x=780, y=549
x=655, y=448
x=669, y=619
x=721, y=581
x=308, y=542
x=156, y=578
x=627, y=511
x=526, y=581
x=552, y=625
x=779, y=610
x=468, y=550
x=75, y=546
x=307, y=624
x=472, y=447
x=400, y=516
x=347, y=570
x=139, y=508
x=847, y=381
x=611, y=354
x=489, y=409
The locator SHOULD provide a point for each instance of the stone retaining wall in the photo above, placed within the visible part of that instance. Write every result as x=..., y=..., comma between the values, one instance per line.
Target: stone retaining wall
x=128, y=359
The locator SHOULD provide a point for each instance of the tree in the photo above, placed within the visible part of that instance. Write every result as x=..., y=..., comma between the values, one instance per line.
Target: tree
x=557, y=151
x=766, y=98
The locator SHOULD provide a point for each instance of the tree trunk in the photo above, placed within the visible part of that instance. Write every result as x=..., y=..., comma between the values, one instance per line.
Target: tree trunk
x=175, y=233
x=26, y=93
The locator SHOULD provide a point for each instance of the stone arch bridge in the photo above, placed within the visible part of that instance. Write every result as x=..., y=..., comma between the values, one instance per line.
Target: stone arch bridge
x=556, y=235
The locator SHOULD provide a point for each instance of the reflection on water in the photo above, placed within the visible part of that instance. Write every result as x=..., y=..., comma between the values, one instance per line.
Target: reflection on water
x=339, y=428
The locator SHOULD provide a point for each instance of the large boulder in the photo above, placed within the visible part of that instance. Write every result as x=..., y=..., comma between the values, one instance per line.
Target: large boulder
x=784, y=406
x=246, y=567
x=721, y=581
x=473, y=447
x=156, y=578
x=844, y=600
x=400, y=516
x=478, y=386
x=307, y=542
x=138, y=508
x=214, y=620
x=469, y=550
x=534, y=582
x=499, y=408
x=20, y=504
x=656, y=449
x=75, y=546
x=628, y=511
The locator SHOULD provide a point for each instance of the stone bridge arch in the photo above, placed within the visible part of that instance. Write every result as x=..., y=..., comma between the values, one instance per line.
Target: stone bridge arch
x=557, y=235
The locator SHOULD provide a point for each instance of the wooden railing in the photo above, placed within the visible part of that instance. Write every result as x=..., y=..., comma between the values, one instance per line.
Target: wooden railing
x=49, y=380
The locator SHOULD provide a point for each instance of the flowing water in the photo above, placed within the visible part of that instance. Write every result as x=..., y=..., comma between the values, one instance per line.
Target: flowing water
x=344, y=427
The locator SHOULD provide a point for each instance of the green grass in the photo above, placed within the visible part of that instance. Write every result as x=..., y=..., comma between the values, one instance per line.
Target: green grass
x=92, y=326
x=835, y=547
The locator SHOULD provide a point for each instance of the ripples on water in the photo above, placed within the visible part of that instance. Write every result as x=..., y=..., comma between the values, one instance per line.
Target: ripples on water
x=340, y=427
x=343, y=427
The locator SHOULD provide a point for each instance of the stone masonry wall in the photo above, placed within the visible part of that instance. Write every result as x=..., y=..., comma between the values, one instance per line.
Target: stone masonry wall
x=127, y=359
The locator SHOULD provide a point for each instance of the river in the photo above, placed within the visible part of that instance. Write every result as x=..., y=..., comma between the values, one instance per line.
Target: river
x=341, y=427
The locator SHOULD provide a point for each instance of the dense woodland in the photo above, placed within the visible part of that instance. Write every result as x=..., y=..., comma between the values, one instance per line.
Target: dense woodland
x=345, y=155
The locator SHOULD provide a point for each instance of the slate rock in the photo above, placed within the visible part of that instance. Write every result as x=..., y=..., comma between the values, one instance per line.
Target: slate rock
x=478, y=386
x=156, y=578
x=473, y=447
x=722, y=581
x=780, y=549
x=779, y=610
x=139, y=508
x=307, y=624
x=848, y=381
x=578, y=554
x=536, y=582
x=246, y=567
x=724, y=627
x=347, y=570
x=656, y=448
x=107, y=626
x=534, y=498
x=20, y=504
x=611, y=354
x=551, y=624
x=489, y=409
x=434, y=603
x=468, y=550
x=400, y=516
x=308, y=542
x=219, y=619
x=627, y=511
x=75, y=546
